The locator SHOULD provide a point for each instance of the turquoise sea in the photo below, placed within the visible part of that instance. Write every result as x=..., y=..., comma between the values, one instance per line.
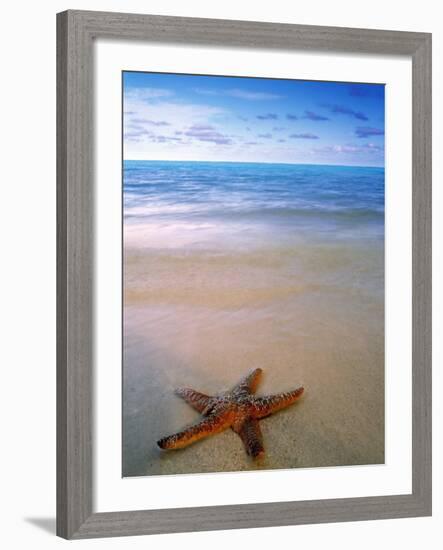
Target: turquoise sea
x=314, y=197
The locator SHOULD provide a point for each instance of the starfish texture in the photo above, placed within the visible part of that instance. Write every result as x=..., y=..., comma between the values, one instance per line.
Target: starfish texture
x=238, y=409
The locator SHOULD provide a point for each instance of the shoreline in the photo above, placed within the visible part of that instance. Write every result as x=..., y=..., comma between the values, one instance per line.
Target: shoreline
x=231, y=268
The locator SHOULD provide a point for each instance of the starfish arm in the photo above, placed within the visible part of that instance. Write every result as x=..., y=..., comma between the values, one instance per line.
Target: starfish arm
x=251, y=436
x=208, y=426
x=249, y=383
x=199, y=401
x=264, y=406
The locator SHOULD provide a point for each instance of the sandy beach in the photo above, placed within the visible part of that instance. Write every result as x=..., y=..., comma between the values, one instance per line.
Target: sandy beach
x=206, y=302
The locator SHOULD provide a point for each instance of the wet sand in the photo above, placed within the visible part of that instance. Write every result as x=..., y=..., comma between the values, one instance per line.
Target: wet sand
x=199, y=314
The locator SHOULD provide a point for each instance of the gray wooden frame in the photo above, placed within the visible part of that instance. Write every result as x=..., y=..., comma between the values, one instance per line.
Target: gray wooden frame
x=76, y=31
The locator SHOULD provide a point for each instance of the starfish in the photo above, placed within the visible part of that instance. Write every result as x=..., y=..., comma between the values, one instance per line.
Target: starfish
x=237, y=409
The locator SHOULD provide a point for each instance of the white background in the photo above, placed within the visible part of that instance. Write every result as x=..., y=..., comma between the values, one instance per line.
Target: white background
x=28, y=272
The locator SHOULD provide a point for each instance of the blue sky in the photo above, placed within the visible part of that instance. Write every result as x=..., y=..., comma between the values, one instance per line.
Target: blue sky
x=216, y=118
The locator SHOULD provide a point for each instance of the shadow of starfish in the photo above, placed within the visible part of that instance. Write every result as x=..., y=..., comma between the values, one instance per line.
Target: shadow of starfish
x=238, y=409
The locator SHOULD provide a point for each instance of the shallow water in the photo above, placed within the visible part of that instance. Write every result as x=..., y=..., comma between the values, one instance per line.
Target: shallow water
x=228, y=267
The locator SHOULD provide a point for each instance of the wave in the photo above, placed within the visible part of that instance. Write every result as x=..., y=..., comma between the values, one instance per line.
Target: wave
x=241, y=213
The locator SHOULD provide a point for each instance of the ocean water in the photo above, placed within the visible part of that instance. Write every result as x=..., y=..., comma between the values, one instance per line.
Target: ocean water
x=230, y=266
x=306, y=197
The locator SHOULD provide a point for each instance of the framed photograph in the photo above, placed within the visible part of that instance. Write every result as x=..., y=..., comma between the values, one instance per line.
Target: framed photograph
x=244, y=274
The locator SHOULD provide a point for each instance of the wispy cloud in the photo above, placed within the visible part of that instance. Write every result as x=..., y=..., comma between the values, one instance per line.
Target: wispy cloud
x=268, y=116
x=290, y=116
x=310, y=115
x=265, y=136
x=205, y=91
x=150, y=122
x=349, y=148
x=146, y=94
x=253, y=96
x=366, y=131
x=239, y=93
x=135, y=135
x=336, y=149
x=136, y=132
x=372, y=147
x=164, y=139
x=142, y=117
x=306, y=135
x=203, y=132
x=343, y=110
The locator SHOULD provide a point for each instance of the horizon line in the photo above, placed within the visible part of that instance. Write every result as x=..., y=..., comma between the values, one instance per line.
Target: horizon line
x=257, y=162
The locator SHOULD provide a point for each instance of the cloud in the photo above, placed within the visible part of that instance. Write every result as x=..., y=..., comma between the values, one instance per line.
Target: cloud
x=342, y=110
x=290, y=116
x=134, y=135
x=150, y=122
x=164, y=113
x=205, y=91
x=337, y=149
x=253, y=96
x=265, y=136
x=310, y=115
x=278, y=128
x=145, y=94
x=373, y=147
x=307, y=135
x=135, y=132
x=349, y=148
x=268, y=116
x=366, y=131
x=164, y=139
x=281, y=140
x=204, y=132
x=239, y=93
